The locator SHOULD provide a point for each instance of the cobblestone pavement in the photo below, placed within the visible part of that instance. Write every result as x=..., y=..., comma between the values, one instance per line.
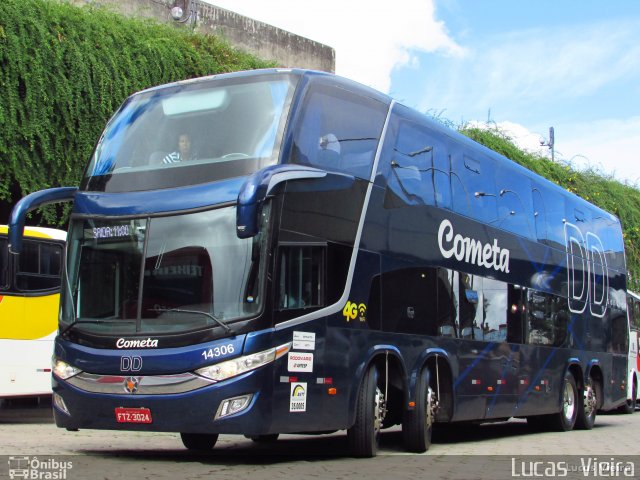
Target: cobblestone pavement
x=491, y=451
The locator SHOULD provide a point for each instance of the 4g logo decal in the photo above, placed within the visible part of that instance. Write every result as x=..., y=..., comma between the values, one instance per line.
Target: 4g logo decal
x=353, y=310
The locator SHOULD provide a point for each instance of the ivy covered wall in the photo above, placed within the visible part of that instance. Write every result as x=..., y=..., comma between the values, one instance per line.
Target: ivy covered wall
x=65, y=70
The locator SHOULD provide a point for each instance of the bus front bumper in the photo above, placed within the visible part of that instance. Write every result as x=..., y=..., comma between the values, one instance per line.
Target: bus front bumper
x=241, y=405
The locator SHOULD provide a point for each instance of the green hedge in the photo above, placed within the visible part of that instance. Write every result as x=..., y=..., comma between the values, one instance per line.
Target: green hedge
x=66, y=69
x=620, y=199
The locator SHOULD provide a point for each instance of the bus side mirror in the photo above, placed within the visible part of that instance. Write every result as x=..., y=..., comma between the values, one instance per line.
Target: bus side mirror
x=257, y=187
x=28, y=203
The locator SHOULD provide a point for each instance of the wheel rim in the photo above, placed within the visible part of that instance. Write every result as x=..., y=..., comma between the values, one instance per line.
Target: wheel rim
x=569, y=404
x=431, y=408
x=590, y=401
x=378, y=411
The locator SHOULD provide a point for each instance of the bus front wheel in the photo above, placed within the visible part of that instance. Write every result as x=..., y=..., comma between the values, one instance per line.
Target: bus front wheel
x=566, y=418
x=417, y=426
x=364, y=435
x=202, y=442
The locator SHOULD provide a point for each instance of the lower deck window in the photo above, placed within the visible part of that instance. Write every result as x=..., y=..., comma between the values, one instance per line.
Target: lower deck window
x=547, y=318
x=301, y=281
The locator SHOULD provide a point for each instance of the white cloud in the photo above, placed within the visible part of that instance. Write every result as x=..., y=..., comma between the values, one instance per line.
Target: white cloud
x=370, y=40
x=610, y=147
x=535, y=69
x=573, y=61
x=582, y=79
x=519, y=134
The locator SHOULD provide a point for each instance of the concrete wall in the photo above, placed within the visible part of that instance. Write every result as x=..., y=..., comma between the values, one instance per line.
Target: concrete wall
x=263, y=40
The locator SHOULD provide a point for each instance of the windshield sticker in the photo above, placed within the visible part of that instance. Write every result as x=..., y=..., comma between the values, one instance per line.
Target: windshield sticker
x=304, y=340
x=300, y=362
x=114, y=231
x=298, y=401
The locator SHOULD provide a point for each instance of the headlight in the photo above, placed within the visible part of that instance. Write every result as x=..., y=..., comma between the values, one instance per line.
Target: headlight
x=63, y=370
x=237, y=366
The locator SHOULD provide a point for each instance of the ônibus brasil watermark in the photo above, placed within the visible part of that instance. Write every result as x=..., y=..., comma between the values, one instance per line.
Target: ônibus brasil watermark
x=35, y=468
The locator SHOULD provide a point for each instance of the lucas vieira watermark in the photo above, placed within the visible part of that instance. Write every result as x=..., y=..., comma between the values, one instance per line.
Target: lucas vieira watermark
x=586, y=466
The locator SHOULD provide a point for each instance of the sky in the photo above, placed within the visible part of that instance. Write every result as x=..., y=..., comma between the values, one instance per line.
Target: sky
x=523, y=66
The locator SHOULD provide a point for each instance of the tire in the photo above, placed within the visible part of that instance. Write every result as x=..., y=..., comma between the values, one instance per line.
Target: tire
x=417, y=425
x=630, y=406
x=588, y=406
x=364, y=436
x=202, y=442
x=566, y=418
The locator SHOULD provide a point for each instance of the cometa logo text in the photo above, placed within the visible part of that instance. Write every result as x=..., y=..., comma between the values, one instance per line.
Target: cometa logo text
x=142, y=343
x=470, y=250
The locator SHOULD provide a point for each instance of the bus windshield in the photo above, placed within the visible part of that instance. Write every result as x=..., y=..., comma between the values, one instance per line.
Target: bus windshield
x=171, y=136
x=162, y=274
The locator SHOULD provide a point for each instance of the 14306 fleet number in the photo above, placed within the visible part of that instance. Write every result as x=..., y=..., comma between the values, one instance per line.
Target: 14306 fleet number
x=218, y=351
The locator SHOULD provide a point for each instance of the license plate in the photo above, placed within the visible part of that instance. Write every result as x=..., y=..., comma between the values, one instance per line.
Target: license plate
x=133, y=415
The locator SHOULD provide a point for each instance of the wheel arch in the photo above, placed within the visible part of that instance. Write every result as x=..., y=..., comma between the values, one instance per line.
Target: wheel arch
x=575, y=368
x=594, y=371
x=438, y=362
x=379, y=356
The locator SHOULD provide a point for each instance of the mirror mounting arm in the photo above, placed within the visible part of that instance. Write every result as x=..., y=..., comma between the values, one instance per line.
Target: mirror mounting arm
x=257, y=187
x=30, y=202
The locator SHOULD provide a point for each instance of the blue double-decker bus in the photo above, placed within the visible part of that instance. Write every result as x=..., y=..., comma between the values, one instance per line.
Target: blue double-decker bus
x=287, y=251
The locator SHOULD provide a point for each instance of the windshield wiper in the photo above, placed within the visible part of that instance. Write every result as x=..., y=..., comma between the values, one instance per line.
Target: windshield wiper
x=206, y=314
x=94, y=322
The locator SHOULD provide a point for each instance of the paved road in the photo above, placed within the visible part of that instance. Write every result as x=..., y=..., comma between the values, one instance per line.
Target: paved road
x=495, y=451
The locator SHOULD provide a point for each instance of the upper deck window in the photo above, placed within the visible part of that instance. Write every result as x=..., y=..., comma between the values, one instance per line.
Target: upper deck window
x=192, y=132
x=338, y=131
x=417, y=163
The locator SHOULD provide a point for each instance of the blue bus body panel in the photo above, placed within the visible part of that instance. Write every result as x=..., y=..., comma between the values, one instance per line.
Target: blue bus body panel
x=160, y=361
x=150, y=202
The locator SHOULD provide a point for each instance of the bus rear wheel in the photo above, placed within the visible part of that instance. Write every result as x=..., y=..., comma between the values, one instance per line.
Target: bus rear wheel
x=588, y=407
x=417, y=426
x=202, y=442
x=364, y=436
x=630, y=405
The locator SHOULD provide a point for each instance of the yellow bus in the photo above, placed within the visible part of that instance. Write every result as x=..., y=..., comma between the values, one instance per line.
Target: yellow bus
x=29, y=301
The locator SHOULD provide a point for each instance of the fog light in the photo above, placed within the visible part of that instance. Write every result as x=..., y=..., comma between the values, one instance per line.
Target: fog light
x=58, y=402
x=233, y=405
